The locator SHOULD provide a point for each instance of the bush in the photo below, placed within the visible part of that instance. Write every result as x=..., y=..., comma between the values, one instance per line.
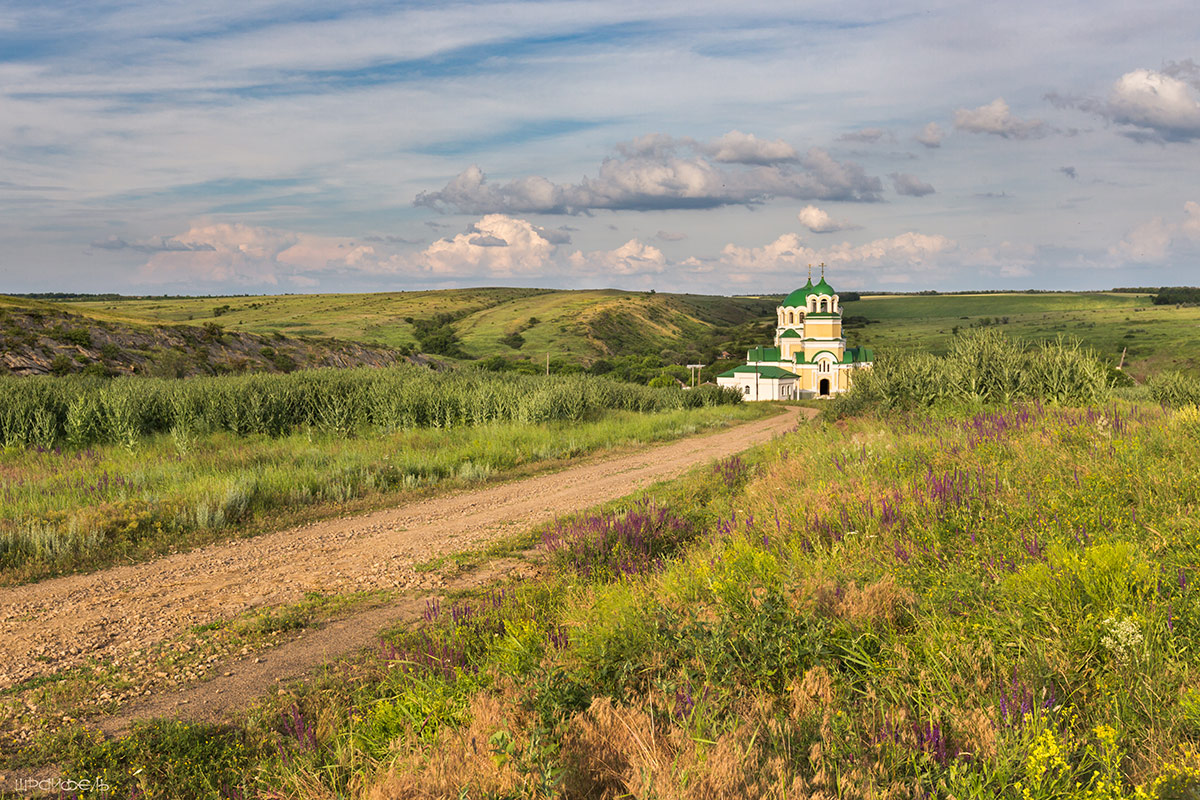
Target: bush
x=1175, y=389
x=983, y=366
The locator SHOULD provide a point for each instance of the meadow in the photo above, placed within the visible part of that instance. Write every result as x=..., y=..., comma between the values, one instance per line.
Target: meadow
x=997, y=603
x=1152, y=337
x=967, y=599
x=95, y=472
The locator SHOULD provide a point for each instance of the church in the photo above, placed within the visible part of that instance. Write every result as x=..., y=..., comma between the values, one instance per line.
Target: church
x=810, y=357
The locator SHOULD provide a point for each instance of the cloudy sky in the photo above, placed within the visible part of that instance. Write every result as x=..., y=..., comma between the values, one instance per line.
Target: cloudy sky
x=209, y=147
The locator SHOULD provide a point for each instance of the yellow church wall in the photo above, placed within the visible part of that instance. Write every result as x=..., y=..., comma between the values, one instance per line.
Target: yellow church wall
x=823, y=329
x=812, y=348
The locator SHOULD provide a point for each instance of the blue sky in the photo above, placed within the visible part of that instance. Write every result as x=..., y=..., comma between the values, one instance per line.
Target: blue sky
x=150, y=147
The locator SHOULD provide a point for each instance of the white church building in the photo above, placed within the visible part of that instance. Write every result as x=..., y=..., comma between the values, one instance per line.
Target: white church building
x=809, y=358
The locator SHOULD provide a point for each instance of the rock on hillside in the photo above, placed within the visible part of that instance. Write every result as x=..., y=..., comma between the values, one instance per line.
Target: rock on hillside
x=38, y=339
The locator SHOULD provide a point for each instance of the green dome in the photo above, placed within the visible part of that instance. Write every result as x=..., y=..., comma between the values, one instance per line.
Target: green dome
x=799, y=298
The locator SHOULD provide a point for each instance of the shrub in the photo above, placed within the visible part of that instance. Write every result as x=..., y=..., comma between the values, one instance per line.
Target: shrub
x=983, y=366
x=1175, y=389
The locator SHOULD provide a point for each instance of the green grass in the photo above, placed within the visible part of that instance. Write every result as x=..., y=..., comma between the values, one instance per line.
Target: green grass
x=584, y=325
x=576, y=324
x=1155, y=338
x=1000, y=603
x=67, y=510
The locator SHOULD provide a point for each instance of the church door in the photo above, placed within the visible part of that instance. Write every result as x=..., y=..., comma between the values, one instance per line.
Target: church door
x=824, y=387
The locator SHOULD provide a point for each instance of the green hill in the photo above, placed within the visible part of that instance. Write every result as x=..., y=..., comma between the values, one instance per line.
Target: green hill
x=585, y=326
x=38, y=338
x=579, y=325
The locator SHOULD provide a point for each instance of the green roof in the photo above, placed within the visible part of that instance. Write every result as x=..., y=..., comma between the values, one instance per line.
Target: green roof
x=764, y=354
x=790, y=333
x=763, y=372
x=799, y=298
x=858, y=355
x=796, y=299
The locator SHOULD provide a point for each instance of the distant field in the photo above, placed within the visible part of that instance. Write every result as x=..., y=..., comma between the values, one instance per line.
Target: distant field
x=1157, y=337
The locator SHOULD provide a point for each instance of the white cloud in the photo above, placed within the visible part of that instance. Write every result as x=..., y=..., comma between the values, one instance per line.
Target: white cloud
x=910, y=185
x=788, y=252
x=819, y=221
x=1157, y=105
x=995, y=118
x=1191, y=220
x=931, y=135
x=649, y=175
x=736, y=147
x=1155, y=239
x=248, y=255
x=631, y=258
x=497, y=245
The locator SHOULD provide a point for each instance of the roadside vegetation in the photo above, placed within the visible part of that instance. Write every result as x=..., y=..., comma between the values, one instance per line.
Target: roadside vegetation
x=96, y=472
x=993, y=595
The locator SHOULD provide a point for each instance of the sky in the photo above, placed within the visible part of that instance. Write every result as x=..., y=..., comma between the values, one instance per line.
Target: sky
x=170, y=147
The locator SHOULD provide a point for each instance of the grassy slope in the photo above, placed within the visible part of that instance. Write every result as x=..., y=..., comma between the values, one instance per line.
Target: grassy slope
x=584, y=324
x=1158, y=337
x=31, y=336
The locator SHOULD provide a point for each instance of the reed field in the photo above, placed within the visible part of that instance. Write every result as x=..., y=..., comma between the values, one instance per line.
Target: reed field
x=968, y=599
x=94, y=472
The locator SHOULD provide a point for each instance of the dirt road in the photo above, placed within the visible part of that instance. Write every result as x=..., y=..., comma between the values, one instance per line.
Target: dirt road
x=55, y=624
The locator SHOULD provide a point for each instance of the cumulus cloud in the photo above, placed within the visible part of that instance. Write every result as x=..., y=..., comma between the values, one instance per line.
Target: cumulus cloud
x=496, y=245
x=249, y=255
x=908, y=250
x=1155, y=239
x=649, y=173
x=631, y=258
x=867, y=136
x=736, y=147
x=1158, y=106
x=819, y=221
x=931, y=135
x=910, y=185
x=996, y=118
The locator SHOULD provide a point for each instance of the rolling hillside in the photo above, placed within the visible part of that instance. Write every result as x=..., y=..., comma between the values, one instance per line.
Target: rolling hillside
x=38, y=338
x=578, y=325
x=583, y=326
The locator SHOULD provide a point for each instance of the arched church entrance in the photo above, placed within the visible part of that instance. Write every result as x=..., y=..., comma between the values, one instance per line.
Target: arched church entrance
x=824, y=387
